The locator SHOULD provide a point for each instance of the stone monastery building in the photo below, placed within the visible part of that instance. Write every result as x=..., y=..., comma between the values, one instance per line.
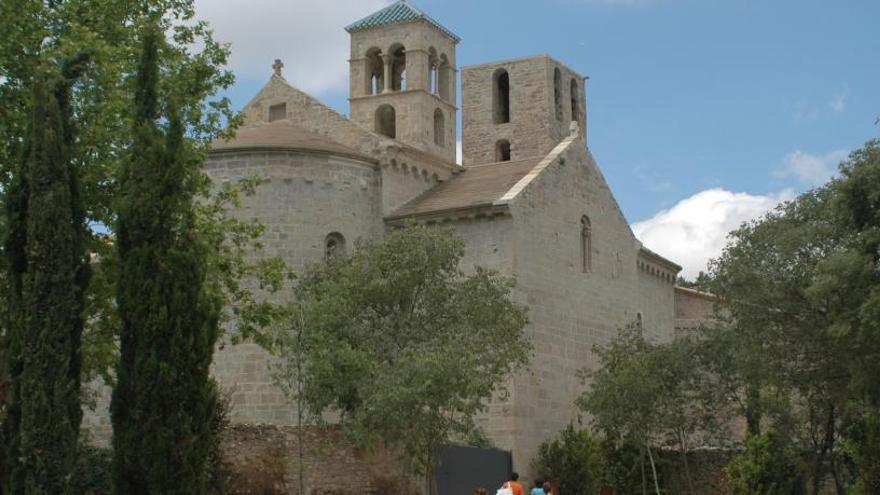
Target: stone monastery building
x=529, y=200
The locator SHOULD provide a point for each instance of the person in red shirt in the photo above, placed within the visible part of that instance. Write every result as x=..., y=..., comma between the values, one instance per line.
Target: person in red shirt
x=515, y=485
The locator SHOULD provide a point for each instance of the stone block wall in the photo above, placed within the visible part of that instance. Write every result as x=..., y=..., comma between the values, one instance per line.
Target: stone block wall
x=305, y=198
x=264, y=460
x=694, y=310
x=656, y=299
x=534, y=127
x=572, y=310
x=414, y=111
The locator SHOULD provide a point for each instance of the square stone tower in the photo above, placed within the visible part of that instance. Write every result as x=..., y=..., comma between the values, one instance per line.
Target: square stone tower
x=402, y=74
x=522, y=108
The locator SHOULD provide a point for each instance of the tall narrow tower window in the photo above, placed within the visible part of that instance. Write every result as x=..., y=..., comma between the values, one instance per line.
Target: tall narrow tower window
x=557, y=93
x=432, y=70
x=439, y=128
x=586, y=244
x=386, y=121
x=444, y=74
x=398, y=68
x=501, y=97
x=502, y=151
x=575, y=111
x=375, y=71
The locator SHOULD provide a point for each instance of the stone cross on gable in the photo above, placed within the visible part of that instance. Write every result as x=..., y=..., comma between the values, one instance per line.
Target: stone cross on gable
x=277, y=66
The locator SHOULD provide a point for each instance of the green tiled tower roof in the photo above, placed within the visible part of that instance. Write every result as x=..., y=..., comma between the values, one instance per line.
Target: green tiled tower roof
x=398, y=12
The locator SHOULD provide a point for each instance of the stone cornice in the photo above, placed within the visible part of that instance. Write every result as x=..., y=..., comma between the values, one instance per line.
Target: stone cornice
x=473, y=212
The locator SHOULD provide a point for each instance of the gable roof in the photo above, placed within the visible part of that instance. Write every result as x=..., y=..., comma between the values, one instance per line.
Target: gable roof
x=283, y=134
x=397, y=13
x=473, y=187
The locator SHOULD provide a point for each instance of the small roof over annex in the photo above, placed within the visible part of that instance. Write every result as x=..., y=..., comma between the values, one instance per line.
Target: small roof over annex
x=474, y=187
x=397, y=13
x=284, y=135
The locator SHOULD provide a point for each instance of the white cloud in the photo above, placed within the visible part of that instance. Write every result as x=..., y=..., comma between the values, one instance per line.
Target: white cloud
x=458, y=153
x=696, y=228
x=809, y=169
x=308, y=36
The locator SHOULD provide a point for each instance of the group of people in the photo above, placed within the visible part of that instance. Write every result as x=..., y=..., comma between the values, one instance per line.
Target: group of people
x=515, y=487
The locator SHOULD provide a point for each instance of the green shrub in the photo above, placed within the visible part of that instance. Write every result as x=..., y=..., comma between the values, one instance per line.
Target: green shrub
x=769, y=466
x=574, y=458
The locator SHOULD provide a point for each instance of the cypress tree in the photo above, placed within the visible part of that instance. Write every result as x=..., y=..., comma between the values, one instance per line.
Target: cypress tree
x=47, y=272
x=15, y=264
x=164, y=401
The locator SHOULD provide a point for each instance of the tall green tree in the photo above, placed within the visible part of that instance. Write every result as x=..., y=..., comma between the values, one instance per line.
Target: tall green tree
x=164, y=401
x=49, y=270
x=624, y=396
x=101, y=110
x=401, y=343
x=802, y=288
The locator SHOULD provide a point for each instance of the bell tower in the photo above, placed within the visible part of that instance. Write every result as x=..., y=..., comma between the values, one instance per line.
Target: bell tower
x=516, y=109
x=402, y=78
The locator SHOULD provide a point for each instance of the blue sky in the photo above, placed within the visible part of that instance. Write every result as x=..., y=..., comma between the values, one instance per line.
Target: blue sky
x=701, y=113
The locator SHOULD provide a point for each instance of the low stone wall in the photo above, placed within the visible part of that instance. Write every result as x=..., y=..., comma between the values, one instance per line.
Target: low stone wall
x=264, y=460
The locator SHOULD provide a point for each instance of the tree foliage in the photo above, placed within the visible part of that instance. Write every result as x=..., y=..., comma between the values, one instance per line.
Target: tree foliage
x=802, y=289
x=649, y=395
x=36, y=33
x=401, y=344
x=768, y=466
x=574, y=458
x=164, y=401
x=48, y=270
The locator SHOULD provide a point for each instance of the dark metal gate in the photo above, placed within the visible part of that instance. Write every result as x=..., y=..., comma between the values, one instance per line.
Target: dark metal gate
x=464, y=469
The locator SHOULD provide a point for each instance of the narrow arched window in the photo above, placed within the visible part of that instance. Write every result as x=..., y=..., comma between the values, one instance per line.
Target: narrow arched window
x=502, y=151
x=586, y=244
x=639, y=320
x=398, y=68
x=432, y=70
x=557, y=93
x=575, y=107
x=375, y=71
x=386, y=121
x=439, y=128
x=501, y=97
x=334, y=244
x=443, y=78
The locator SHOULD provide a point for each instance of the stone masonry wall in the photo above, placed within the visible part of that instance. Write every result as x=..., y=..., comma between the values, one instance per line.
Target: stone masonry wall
x=534, y=128
x=264, y=460
x=570, y=311
x=693, y=310
x=306, y=197
x=489, y=243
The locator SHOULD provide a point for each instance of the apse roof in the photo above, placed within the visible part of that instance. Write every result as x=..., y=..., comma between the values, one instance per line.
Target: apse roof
x=284, y=134
x=396, y=13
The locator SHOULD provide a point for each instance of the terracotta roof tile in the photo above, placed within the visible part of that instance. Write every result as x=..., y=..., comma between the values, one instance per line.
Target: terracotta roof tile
x=284, y=134
x=471, y=188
